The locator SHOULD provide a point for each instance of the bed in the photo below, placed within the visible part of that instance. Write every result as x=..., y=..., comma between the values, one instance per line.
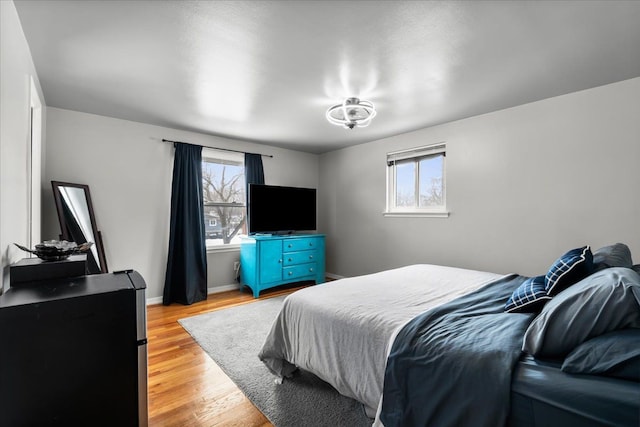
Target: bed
x=433, y=345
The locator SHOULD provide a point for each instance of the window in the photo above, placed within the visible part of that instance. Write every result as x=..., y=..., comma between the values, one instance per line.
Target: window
x=224, y=203
x=416, y=182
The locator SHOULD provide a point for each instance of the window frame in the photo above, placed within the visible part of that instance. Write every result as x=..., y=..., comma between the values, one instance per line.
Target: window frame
x=415, y=155
x=219, y=156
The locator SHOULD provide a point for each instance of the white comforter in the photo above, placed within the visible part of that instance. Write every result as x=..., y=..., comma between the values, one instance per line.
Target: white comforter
x=342, y=331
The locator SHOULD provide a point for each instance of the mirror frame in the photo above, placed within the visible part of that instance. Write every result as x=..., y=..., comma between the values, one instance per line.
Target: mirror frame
x=65, y=235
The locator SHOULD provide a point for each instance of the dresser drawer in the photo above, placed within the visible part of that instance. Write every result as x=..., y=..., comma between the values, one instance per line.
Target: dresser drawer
x=294, y=245
x=293, y=258
x=301, y=270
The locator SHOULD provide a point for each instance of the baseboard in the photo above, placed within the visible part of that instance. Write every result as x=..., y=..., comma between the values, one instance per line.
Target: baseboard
x=213, y=290
x=224, y=288
x=232, y=287
x=154, y=300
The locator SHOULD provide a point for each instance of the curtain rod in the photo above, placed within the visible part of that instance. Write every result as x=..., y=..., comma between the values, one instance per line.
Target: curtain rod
x=216, y=148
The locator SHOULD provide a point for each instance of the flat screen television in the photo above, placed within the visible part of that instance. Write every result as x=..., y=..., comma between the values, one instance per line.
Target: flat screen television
x=281, y=210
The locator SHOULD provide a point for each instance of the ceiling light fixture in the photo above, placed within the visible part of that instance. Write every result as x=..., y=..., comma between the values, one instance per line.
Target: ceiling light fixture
x=351, y=113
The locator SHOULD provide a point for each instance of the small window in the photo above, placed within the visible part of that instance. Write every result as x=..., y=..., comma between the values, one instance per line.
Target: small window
x=416, y=181
x=224, y=201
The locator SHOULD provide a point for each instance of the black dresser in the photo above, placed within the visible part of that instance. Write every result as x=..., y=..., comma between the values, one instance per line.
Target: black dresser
x=73, y=352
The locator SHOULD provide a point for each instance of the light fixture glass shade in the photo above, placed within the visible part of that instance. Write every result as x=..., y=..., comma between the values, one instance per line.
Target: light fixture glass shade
x=353, y=112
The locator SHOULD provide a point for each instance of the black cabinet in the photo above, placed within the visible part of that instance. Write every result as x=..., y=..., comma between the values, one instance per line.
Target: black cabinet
x=73, y=352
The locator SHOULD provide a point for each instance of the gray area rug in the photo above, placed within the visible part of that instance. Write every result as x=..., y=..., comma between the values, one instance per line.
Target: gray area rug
x=233, y=337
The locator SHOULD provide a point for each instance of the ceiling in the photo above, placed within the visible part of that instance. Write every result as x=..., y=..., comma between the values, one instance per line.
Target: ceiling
x=266, y=71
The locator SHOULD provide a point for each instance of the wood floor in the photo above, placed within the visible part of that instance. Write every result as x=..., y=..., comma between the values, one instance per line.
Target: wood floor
x=186, y=388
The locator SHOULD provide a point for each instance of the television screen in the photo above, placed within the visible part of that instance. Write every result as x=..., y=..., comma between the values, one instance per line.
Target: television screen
x=275, y=209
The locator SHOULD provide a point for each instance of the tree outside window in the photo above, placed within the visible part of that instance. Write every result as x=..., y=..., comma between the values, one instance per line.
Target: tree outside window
x=431, y=182
x=224, y=196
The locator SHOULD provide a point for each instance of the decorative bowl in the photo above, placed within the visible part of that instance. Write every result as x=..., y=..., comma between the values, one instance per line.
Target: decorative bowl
x=56, y=250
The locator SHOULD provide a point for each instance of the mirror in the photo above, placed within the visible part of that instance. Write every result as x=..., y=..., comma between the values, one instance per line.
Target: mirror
x=77, y=221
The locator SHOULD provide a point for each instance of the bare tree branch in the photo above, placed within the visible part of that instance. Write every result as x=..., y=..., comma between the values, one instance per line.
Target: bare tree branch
x=223, y=188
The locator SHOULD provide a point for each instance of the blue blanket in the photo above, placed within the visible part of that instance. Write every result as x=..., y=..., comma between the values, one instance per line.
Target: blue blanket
x=452, y=365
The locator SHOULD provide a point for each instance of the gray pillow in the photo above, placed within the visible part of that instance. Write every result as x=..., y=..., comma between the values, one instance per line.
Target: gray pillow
x=603, y=302
x=616, y=255
x=615, y=354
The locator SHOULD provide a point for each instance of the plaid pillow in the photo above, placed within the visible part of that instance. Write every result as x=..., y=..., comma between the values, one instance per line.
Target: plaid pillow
x=529, y=297
x=570, y=268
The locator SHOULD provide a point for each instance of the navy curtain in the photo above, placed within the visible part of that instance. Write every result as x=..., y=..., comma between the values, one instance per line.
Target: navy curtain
x=253, y=171
x=186, y=277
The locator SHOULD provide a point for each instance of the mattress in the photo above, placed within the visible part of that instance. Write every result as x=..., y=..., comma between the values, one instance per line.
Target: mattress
x=543, y=395
x=341, y=331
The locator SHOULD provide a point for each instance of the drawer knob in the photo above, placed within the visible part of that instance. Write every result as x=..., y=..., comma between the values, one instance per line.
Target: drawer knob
x=310, y=243
x=289, y=260
x=279, y=261
x=310, y=256
x=290, y=273
x=311, y=270
x=289, y=245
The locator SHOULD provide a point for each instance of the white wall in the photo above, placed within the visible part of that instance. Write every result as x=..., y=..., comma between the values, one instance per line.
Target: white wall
x=524, y=185
x=16, y=72
x=128, y=170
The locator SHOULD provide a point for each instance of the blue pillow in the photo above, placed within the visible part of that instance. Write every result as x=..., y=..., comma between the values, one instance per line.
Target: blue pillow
x=603, y=302
x=616, y=255
x=570, y=268
x=615, y=354
x=530, y=296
